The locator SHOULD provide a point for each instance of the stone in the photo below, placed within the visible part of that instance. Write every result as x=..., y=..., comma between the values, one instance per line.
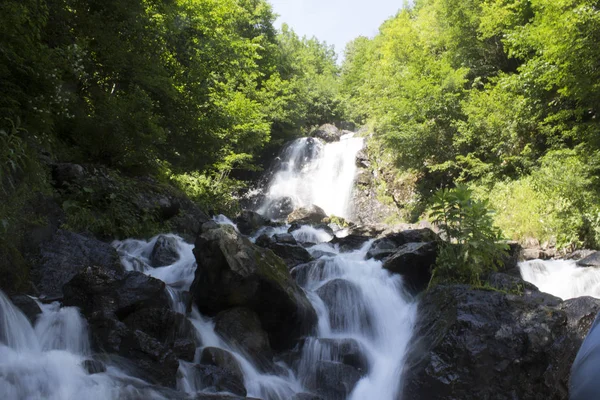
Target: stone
x=291, y=254
x=67, y=254
x=307, y=215
x=93, y=367
x=28, y=306
x=212, y=378
x=242, y=329
x=592, y=260
x=344, y=300
x=328, y=133
x=346, y=351
x=414, y=261
x=164, y=252
x=335, y=380
x=222, y=359
x=233, y=272
x=249, y=222
x=483, y=344
x=350, y=242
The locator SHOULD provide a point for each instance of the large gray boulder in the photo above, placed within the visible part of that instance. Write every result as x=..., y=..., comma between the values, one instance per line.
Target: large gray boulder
x=328, y=133
x=307, y=215
x=592, y=260
x=485, y=344
x=66, y=255
x=233, y=272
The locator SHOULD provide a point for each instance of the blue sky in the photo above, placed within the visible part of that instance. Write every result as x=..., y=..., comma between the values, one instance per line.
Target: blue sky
x=335, y=21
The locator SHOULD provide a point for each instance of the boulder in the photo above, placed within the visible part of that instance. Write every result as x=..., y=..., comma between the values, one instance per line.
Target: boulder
x=67, y=254
x=351, y=242
x=592, y=260
x=510, y=259
x=222, y=359
x=414, y=261
x=233, y=272
x=242, y=329
x=284, y=238
x=346, y=351
x=328, y=133
x=249, y=222
x=381, y=249
x=93, y=367
x=344, y=300
x=103, y=290
x=307, y=215
x=291, y=254
x=280, y=208
x=482, y=344
x=164, y=252
x=578, y=254
x=28, y=306
x=215, y=379
x=170, y=328
x=335, y=380
x=534, y=254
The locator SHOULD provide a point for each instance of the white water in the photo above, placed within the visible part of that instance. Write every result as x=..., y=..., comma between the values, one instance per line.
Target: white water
x=562, y=278
x=45, y=361
x=312, y=172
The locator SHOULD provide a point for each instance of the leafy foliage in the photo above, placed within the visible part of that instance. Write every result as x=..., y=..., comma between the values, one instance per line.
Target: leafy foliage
x=472, y=247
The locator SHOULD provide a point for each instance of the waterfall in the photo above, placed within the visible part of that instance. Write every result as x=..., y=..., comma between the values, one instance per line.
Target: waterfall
x=309, y=171
x=562, y=278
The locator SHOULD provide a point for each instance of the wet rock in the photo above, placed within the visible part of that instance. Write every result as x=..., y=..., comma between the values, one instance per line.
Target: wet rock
x=321, y=253
x=234, y=272
x=344, y=300
x=241, y=328
x=534, y=254
x=284, y=238
x=592, y=260
x=307, y=396
x=578, y=254
x=307, y=215
x=335, y=380
x=291, y=254
x=414, y=261
x=99, y=289
x=280, y=208
x=170, y=328
x=381, y=249
x=481, y=344
x=328, y=133
x=67, y=254
x=222, y=359
x=28, y=306
x=164, y=252
x=93, y=367
x=264, y=240
x=313, y=271
x=346, y=351
x=249, y=222
x=351, y=242
x=212, y=378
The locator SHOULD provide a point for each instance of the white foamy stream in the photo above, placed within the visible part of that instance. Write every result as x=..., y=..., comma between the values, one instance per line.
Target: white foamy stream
x=562, y=278
x=370, y=308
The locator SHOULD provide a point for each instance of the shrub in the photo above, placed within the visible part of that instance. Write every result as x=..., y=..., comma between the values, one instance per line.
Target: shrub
x=471, y=247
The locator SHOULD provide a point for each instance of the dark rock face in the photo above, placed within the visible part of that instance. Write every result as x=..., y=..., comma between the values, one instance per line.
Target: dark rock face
x=307, y=215
x=164, y=251
x=98, y=289
x=593, y=260
x=170, y=328
x=346, y=308
x=233, y=272
x=249, y=222
x=414, y=261
x=511, y=258
x=241, y=327
x=307, y=396
x=291, y=254
x=476, y=344
x=335, y=380
x=129, y=315
x=350, y=242
x=211, y=378
x=328, y=133
x=28, y=306
x=67, y=254
x=346, y=351
x=222, y=359
x=93, y=367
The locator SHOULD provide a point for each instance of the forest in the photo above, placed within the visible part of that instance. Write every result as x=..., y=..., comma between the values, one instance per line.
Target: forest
x=497, y=95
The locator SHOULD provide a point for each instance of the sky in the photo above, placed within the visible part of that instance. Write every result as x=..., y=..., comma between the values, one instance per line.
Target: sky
x=336, y=22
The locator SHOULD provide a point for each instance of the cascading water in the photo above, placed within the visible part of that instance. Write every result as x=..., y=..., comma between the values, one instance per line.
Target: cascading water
x=365, y=318
x=309, y=172
x=562, y=278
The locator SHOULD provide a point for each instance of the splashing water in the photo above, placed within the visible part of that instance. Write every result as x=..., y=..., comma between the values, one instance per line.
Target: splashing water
x=311, y=172
x=562, y=278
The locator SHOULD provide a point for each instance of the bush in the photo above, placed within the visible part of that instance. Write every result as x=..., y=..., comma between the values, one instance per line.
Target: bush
x=471, y=247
